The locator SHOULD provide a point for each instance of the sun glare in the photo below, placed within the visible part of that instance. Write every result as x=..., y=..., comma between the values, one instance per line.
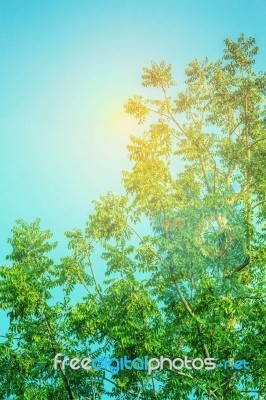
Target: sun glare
x=122, y=123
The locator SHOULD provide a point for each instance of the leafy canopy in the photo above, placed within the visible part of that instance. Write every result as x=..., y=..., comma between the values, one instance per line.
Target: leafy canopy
x=193, y=286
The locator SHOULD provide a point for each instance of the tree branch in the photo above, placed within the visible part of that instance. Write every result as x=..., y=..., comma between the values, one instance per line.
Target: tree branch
x=258, y=204
x=239, y=268
x=256, y=141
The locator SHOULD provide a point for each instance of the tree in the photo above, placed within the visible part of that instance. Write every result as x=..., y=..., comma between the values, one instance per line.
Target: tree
x=193, y=286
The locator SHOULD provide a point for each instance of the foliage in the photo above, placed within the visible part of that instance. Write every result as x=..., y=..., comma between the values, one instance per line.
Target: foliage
x=194, y=286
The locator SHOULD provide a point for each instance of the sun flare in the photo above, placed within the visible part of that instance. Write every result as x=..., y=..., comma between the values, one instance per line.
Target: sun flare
x=122, y=123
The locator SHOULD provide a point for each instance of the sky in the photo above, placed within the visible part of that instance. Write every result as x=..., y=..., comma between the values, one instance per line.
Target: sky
x=66, y=70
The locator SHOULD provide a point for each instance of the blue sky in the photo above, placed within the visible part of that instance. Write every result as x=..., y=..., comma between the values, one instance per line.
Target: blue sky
x=67, y=68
